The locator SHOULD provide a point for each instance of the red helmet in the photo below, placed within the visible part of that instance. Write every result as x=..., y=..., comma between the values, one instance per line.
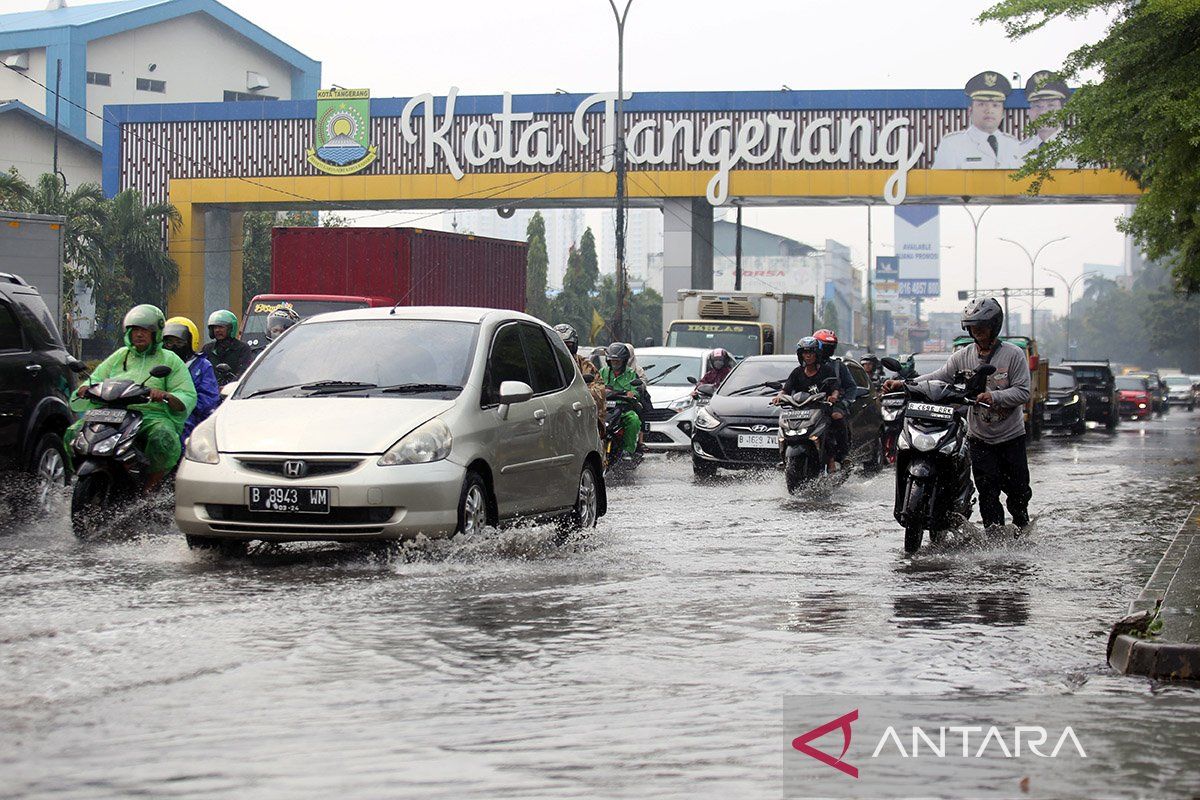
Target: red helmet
x=828, y=340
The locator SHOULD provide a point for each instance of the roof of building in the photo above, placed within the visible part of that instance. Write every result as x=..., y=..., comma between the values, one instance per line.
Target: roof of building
x=757, y=242
x=96, y=20
x=17, y=107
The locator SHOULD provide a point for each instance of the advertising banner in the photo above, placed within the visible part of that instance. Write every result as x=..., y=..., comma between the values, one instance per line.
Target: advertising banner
x=918, y=250
x=887, y=281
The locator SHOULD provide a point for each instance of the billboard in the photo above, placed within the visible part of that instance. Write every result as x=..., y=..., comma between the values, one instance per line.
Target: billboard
x=918, y=250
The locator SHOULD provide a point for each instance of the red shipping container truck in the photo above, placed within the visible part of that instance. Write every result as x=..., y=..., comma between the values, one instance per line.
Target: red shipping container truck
x=316, y=270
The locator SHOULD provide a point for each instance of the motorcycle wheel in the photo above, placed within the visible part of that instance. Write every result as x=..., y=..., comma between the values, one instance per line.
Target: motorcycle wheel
x=90, y=497
x=912, y=539
x=795, y=473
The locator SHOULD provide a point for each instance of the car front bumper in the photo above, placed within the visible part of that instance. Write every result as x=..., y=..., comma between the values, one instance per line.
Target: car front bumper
x=720, y=447
x=366, y=502
x=669, y=430
x=1062, y=416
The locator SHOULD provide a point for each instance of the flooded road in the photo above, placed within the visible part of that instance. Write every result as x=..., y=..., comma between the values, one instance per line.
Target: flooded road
x=649, y=659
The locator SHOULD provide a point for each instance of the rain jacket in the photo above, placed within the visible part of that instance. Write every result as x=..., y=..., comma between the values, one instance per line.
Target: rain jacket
x=161, y=427
x=624, y=383
x=208, y=393
x=234, y=353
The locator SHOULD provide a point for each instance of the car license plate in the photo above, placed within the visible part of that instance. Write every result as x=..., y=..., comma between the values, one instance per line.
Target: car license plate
x=288, y=499
x=112, y=416
x=760, y=440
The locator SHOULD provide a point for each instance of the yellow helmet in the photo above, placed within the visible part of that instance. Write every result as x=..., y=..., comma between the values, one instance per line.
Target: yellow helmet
x=183, y=328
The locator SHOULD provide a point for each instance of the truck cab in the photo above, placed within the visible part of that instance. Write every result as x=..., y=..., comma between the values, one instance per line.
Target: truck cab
x=739, y=338
x=744, y=323
x=254, y=323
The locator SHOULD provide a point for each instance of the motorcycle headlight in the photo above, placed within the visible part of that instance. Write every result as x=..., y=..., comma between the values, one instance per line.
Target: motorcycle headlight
x=106, y=446
x=706, y=420
x=429, y=442
x=202, y=444
x=681, y=404
x=890, y=414
x=924, y=441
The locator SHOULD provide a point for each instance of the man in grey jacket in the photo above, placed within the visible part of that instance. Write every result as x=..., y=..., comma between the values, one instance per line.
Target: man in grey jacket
x=996, y=430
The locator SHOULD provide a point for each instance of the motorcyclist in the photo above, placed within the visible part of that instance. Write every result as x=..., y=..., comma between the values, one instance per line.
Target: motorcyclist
x=225, y=347
x=179, y=337
x=570, y=338
x=618, y=377
x=280, y=320
x=839, y=427
x=171, y=398
x=995, y=431
x=720, y=364
x=872, y=367
x=814, y=375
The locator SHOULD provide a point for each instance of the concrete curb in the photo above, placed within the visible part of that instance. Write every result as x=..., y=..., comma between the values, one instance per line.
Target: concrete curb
x=1175, y=652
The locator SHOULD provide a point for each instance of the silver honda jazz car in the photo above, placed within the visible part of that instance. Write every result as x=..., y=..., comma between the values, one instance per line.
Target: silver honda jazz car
x=387, y=423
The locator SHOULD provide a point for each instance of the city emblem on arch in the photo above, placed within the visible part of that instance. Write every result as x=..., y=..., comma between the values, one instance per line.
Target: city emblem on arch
x=343, y=141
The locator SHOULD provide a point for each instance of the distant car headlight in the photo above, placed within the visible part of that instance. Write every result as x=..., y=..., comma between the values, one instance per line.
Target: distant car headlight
x=706, y=420
x=429, y=442
x=202, y=444
x=1074, y=399
x=924, y=441
x=682, y=403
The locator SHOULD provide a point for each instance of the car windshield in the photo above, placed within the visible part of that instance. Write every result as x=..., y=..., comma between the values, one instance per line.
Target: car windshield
x=256, y=319
x=683, y=367
x=754, y=373
x=1132, y=384
x=1091, y=374
x=411, y=356
x=1061, y=380
x=1178, y=380
x=740, y=339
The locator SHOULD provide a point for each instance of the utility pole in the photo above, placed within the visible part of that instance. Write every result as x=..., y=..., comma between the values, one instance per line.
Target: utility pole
x=57, y=87
x=1070, y=290
x=619, y=315
x=870, y=289
x=1006, y=293
x=1032, y=273
x=737, y=253
x=975, y=222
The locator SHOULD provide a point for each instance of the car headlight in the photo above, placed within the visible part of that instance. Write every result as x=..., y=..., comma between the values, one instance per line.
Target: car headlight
x=429, y=442
x=924, y=441
x=1074, y=399
x=706, y=420
x=681, y=403
x=202, y=444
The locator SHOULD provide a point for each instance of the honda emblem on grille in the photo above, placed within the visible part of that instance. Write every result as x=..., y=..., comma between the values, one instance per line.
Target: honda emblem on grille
x=760, y=429
x=295, y=469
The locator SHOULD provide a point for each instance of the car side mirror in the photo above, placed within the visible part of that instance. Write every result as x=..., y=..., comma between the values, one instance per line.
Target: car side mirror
x=891, y=363
x=511, y=393
x=228, y=389
x=706, y=389
x=161, y=371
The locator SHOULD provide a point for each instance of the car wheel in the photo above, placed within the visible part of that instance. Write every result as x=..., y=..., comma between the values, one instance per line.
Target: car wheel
x=48, y=468
x=703, y=469
x=472, y=505
x=587, y=505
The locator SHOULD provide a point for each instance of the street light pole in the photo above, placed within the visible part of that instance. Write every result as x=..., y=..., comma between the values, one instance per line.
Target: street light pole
x=619, y=315
x=1032, y=272
x=1070, y=290
x=976, y=223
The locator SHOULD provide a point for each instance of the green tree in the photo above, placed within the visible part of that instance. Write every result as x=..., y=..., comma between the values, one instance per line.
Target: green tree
x=536, y=268
x=588, y=261
x=1141, y=118
x=256, y=243
x=643, y=311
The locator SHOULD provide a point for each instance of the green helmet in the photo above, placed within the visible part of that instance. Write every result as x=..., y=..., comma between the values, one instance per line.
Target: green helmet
x=226, y=318
x=145, y=316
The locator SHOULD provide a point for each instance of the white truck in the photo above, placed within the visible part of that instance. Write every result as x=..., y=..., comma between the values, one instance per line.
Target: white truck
x=744, y=323
x=31, y=245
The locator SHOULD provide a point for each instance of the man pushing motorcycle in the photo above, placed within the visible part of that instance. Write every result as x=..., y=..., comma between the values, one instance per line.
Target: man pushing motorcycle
x=996, y=428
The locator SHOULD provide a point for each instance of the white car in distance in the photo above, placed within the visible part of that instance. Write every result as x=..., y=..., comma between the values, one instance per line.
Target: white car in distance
x=667, y=371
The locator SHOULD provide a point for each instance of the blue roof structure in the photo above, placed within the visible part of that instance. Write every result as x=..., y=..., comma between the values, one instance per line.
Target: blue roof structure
x=65, y=33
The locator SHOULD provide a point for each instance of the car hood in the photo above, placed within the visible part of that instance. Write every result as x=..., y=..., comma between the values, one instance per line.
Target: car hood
x=743, y=406
x=366, y=425
x=661, y=395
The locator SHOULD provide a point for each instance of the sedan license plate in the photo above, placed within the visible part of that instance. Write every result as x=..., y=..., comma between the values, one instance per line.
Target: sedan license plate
x=112, y=416
x=760, y=440
x=288, y=499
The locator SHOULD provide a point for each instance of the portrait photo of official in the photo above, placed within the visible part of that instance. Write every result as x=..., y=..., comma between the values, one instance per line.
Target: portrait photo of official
x=1046, y=93
x=982, y=144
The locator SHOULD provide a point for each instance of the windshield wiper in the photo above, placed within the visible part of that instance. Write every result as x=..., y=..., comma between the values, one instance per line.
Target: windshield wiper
x=418, y=388
x=663, y=374
x=320, y=387
x=762, y=385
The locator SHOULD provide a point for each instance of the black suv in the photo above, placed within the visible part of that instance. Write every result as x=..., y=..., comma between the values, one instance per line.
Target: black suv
x=36, y=381
x=1065, y=403
x=1099, y=389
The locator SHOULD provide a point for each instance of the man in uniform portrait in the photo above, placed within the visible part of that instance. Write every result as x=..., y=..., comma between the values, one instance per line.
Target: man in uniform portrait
x=982, y=145
x=1046, y=93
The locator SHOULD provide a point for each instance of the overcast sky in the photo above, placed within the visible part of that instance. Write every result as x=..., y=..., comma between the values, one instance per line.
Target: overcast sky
x=525, y=46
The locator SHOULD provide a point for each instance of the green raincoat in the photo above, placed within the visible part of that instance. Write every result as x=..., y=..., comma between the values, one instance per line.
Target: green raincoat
x=161, y=427
x=624, y=383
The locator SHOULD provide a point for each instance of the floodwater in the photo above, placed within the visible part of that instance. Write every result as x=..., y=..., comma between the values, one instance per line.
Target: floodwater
x=649, y=659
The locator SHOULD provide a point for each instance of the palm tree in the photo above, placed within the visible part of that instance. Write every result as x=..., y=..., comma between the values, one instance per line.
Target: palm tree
x=1097, y=287
x=137, y=268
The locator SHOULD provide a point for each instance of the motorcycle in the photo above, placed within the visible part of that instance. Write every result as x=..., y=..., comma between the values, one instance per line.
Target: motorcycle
x=110, y=467
x=803, y=426
x=933, y=463
x=616, y=404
